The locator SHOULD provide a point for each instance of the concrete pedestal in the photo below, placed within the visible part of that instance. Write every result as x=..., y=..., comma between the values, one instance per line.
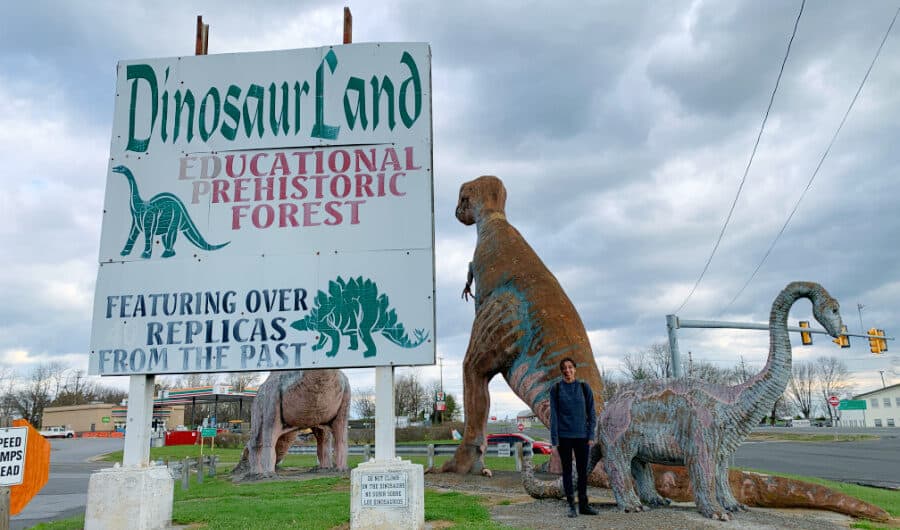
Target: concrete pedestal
x=387, y=495
x=137, y=498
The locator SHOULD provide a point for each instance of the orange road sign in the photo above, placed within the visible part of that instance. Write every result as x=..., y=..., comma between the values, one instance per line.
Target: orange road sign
x=37, y=469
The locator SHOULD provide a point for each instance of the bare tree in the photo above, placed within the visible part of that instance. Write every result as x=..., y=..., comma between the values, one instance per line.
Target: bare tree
x=802, y=386
x=409, y=395
x=363, y=403
x=611, y=385
x=241, y=381
x=833, y=380
x=654, y=362
x=8, y=381
x=29, y=401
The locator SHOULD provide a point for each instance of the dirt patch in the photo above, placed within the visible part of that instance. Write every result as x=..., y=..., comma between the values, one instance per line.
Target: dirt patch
x=510, y=505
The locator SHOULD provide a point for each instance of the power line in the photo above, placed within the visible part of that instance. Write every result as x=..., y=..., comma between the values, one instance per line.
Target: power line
x=749, y=162
x=821, y=161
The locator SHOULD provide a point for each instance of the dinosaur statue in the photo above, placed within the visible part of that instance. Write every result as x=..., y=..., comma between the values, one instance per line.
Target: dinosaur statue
x=163, y=215
x=291, y=400
x=356, y=309
x=524, y=322
x=698, y=424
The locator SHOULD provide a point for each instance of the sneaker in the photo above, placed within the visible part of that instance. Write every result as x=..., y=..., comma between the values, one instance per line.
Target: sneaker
x=571, y=512
x=586, y=509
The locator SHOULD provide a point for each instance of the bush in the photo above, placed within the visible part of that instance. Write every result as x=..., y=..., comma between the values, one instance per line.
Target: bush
x=409, y=434
x=231, y=440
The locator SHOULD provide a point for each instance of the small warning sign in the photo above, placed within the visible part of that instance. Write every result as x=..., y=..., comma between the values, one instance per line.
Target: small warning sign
x=385, y=489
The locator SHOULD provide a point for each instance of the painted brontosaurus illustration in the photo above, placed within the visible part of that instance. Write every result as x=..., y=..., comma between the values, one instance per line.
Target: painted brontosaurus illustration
x=163, y=215
x=356, y=309
x=698, y=424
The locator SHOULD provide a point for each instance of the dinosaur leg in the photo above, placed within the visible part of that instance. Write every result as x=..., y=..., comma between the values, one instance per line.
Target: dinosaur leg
x=168, y=240
x=323, y=446
x=354, y=340
x=132, y=237
x=284, y=443
x=339, y=429
x=321, y=344
x=723, y=487
x=701, y=468
x=264, y=431
x=148, y=240
x=646, y=486
x=366, y=336
x=335, y=337
x=618, y=468
x=469, y=456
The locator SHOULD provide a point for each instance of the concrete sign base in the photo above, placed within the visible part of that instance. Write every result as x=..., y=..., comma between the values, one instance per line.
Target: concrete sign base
x=387, y=494
x=137, y=498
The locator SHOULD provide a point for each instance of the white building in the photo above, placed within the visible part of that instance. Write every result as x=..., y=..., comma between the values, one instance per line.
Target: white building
x=882, y=408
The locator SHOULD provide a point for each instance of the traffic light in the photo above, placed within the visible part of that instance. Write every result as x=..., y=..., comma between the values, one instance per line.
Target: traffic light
x=842, y=340
x=805, y=336
x=882, y=342
x=874, y=342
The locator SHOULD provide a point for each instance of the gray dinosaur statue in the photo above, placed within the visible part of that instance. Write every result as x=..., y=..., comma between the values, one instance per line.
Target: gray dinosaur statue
x=163, y=215
x=356, y=309
x=698, y=424
x=287, y=402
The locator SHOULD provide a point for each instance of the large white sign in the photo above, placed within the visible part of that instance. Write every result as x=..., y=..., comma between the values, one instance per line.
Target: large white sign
x=268, y=211
x=13, y=442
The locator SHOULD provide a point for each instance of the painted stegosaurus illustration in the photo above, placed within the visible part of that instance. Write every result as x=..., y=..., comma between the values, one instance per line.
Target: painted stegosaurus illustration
x=355, y=308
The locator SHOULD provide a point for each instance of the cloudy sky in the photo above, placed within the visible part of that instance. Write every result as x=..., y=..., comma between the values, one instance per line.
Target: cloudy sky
x=621, y=130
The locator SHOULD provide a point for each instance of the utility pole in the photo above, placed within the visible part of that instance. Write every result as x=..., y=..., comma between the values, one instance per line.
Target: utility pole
x=859, y=308
x=882, y=378
x=690, y=365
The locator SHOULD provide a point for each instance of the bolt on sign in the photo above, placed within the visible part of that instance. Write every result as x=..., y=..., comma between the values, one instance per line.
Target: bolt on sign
x=268, y=211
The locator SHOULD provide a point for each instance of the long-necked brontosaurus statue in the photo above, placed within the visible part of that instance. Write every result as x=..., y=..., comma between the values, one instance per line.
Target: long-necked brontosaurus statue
x=291, y=400
x=163, y=215
x=524, y=322
x=699, y=425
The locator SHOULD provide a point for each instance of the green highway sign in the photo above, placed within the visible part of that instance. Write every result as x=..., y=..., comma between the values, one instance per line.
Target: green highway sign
x=208, y=432
x=852, y=404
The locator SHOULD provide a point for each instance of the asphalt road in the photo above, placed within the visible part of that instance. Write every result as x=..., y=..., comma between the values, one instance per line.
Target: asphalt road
x=65, y=494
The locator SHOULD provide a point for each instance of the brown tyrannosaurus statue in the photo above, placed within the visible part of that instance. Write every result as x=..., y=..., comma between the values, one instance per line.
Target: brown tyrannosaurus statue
x=291, y=400
x=524, y=322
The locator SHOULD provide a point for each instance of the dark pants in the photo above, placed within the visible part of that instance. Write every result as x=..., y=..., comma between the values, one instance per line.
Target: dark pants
x=580, y=447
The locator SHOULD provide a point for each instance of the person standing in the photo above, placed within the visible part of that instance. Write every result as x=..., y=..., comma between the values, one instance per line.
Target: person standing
x=572, y=424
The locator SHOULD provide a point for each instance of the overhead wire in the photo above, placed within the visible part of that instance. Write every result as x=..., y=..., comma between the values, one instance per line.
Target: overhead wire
x=819, y=165
x=749, y=162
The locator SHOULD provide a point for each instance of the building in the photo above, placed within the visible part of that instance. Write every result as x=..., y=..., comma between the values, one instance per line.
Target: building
x=527, y=418
x=882, y=408
x=105, y=417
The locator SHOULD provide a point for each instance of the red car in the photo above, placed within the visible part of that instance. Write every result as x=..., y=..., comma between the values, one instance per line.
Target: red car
x=512, y=438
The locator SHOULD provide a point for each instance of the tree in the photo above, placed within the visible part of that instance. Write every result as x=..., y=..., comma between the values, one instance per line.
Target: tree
x=802, y=386
x=655, y=362
x=30, y=401
x=409, y=395
x=833, y=379
x=451, y=412
x=241, y=381
x=7, y=385
x=363, y=403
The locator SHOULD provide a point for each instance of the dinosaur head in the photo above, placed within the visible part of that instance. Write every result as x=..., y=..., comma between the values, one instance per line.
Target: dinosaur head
x=479, y=197
x=122, y=169
x=827, y=311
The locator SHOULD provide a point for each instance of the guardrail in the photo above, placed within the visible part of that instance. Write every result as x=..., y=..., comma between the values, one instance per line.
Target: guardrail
x=517, y=451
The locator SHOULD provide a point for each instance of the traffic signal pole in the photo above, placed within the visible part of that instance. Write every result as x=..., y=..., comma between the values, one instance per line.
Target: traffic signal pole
x=673, y=323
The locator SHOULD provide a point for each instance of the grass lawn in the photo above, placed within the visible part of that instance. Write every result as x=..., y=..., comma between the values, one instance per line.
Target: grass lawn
x=321, y=503
x=809, y=437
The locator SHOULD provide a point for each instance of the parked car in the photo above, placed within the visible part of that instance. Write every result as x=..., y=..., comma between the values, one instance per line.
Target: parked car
x=512, y=438
x=57, y=432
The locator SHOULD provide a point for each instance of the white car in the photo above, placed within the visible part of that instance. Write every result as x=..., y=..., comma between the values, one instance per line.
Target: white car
x=57, y=432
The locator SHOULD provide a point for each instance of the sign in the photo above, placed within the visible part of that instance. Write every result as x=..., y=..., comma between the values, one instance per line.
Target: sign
x=440, y=405
x=834, y=401
x=385, y=489
x=268, y=211
x=37, y=468
x=521, y=427
x=104, y=419
x=439, y=396
x=208, y=432
x=13, y=444
x=503, y=449
x=852, y=404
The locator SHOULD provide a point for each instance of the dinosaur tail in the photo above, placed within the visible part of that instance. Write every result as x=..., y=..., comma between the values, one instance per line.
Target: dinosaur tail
x=191, y=232
x=396, y=333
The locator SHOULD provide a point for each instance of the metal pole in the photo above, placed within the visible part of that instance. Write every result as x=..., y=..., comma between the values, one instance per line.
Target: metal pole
x=137, y=425
x=384, y=414
x=672, y=326
x=859, y=308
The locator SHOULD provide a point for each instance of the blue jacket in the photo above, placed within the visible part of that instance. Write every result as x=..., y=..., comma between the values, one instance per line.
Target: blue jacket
x=572, y=413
